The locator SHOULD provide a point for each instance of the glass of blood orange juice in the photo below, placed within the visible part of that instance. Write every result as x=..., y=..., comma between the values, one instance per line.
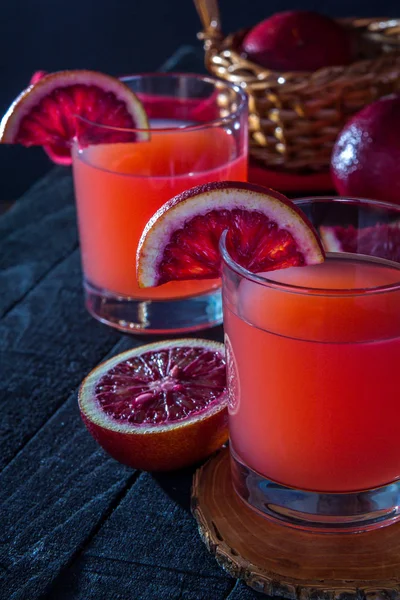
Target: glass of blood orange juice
x=313, y=357
x=197, y=133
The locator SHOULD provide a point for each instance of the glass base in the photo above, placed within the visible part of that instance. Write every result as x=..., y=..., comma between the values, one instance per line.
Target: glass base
x=316, y=511
x=154, y=316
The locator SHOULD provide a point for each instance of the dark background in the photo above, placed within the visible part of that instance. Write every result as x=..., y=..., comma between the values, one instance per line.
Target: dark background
x=117, y=37
x=77, y=524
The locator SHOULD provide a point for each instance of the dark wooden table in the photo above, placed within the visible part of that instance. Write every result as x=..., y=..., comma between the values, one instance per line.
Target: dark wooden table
x=74, y=523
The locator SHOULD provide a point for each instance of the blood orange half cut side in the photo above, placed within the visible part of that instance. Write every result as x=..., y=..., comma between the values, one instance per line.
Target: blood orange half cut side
x=161, y=406
x=44, y=114
x=381, y=240
x=265, y=232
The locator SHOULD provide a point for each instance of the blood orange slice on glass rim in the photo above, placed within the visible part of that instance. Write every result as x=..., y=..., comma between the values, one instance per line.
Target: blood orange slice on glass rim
x=266, y=231
x=45, y=113
x=161, y=406
x=381, y=240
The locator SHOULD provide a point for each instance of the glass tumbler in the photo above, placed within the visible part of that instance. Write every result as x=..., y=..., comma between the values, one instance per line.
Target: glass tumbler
x=197, y=133
x=313, y=357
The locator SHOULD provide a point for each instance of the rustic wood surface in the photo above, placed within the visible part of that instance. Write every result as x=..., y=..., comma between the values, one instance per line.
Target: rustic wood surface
x=74, y=523
x=278, y=560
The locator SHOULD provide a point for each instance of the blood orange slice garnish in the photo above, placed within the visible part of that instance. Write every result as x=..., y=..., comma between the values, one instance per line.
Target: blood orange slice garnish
x=381, y=240
x=44, y=114
x=265, y=232
x=159, y=407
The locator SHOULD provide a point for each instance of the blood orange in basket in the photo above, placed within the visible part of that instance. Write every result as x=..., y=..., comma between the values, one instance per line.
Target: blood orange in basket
x=159, y=407
x=298, y=40
x=265, y=232
x=381, y=240
x=44, y=114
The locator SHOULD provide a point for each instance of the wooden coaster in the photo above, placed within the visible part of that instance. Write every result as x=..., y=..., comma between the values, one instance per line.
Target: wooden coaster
x=286, y=562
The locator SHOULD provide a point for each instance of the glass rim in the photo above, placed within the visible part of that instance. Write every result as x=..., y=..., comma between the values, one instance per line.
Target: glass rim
x=297, y=289
x=182, y=128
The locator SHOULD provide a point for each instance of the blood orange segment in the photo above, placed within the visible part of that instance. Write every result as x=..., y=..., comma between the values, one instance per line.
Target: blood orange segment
x=44, y=114
x=381, y=240
x=161, y=406
x=265, y=232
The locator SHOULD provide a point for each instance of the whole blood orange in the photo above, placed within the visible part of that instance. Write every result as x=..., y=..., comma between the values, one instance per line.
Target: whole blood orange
x=159, y=407
x=366, y=156
x=44, y=114
x=298, y=40
x=265, y=232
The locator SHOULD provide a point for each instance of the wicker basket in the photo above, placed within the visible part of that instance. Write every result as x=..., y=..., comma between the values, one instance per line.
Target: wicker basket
x=295, y=117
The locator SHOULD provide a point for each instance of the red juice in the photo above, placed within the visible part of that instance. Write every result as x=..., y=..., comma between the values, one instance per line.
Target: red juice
x=120, y=186
x=316, y=375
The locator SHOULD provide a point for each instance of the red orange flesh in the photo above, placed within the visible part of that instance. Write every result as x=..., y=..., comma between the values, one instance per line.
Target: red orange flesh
x=159, y=407
x=44, y=114
x=265, y=232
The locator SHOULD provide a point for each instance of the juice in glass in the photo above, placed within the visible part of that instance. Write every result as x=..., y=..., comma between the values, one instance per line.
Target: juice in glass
x=120, y=186
x=313, y=355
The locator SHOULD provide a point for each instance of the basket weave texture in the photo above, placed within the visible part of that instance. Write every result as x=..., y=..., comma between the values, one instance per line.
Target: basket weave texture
x=295, y=117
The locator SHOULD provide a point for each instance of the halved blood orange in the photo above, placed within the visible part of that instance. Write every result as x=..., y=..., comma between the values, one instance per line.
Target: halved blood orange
x=44, y=114
x=159, y=407
x=265, y=232
x=381, y=240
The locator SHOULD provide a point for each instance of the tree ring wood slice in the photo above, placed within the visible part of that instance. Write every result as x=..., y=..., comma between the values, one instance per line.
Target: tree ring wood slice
x=294, y=564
